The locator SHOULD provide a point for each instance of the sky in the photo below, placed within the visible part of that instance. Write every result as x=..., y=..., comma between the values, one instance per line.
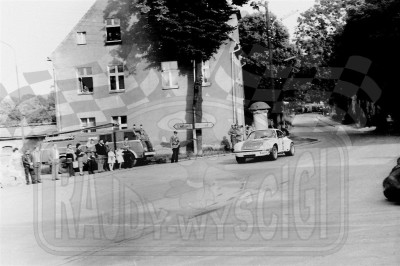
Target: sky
x=34, y=28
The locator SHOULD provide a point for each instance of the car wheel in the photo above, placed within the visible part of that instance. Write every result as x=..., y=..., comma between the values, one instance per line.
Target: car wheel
x=274, y=153
x=240, y=160
x=291, y=150
x=134, y=161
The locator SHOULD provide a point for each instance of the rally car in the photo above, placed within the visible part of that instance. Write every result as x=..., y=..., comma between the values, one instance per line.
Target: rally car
x=266, y=143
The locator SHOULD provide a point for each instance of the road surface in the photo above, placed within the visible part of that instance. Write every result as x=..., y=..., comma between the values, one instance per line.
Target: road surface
x=322, y=206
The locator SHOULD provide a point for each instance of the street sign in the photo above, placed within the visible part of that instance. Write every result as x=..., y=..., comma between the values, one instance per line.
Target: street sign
x=203, y=125
x=183, y=126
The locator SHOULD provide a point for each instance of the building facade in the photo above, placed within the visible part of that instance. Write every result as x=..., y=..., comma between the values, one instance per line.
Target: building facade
x=101, y=78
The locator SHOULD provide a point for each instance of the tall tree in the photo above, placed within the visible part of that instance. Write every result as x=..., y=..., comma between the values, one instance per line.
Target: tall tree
x=257, y=70
x=317, y=27
x=179, y=30
x=373, y=32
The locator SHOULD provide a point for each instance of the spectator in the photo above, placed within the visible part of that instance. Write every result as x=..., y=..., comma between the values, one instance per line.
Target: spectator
x=175, y=144
x=16, y=167
x=111, y=159
x=70, y=160
x=144, y=138
x=28, y=167
x=120, y=157
x=127, y=154
x=91, y=163
x=236, y=135
x=225, y=144
x=54, y=159
x=136, y=132
x=101, y=151
x=91, y=146
x=249, y=129
x=106, y=164
x=79, y=156
x=37, y=163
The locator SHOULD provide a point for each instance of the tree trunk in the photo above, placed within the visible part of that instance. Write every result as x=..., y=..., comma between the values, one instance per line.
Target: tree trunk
x=198, y=104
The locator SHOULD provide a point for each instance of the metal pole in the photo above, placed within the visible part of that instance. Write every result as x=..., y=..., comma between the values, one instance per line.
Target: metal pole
x=18, y=88
x=194, y=110
x=58, y=117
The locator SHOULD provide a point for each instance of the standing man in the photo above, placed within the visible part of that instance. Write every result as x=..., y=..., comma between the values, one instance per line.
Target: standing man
x=28, y=167
x=127, y=154
x=101, y=154
x=144, y=138
x=106, y=166
x=37, y=163
x=239, y=133
x=233, y=132
x=55, y=162
x=175, y=144
x=90, y=146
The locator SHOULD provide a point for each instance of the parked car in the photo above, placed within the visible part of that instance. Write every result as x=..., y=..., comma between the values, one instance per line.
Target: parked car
x=141, y=149
x=266, y=143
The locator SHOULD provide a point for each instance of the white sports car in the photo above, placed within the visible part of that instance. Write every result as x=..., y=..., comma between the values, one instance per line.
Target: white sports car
x=264, y=143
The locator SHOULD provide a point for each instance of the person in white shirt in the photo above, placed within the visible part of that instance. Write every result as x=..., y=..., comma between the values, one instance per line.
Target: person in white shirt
x=111, y=159
x=16, y=169
x=120, y=157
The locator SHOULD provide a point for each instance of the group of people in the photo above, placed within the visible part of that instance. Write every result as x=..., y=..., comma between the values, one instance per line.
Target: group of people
x=100, y=157
x=29, y=165
x=96, y=156
x=237, y=134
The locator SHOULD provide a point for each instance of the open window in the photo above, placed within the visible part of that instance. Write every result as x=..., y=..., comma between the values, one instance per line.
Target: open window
x=113, y=30
x=85, y=79
x=122, y=121
x=170, y=75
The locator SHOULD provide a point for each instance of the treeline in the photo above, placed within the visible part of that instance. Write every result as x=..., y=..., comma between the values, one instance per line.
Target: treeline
x=361, y=40
x=36, y=109
x=345, y=53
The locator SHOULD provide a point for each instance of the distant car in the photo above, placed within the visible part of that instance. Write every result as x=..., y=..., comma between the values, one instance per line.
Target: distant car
x=266, y=143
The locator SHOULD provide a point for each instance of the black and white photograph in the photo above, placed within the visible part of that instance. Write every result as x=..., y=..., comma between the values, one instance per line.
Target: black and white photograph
x=199, y=132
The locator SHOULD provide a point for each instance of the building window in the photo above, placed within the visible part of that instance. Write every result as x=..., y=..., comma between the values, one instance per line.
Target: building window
x=85, y=78
x=113, y=29
x=88, y=122
x=81, y=38
x=122, y=121
x=169, y=73
x=116, y=77
x=205, y=68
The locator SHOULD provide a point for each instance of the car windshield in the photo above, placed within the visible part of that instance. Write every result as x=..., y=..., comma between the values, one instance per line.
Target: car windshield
x=261, y=134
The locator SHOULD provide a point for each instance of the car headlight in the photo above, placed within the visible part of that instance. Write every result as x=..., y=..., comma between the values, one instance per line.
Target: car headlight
x=266, y=146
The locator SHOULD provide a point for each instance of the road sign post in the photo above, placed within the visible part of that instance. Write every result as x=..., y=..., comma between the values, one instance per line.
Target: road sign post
x=204, y=125
x=186, y=126
x=183, y=126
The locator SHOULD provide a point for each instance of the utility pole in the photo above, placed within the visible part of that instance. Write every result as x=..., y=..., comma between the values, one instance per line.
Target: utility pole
x=270, y=57
x=58, y=116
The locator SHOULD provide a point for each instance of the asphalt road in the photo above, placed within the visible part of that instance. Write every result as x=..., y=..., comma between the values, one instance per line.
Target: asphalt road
x=322, y=206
